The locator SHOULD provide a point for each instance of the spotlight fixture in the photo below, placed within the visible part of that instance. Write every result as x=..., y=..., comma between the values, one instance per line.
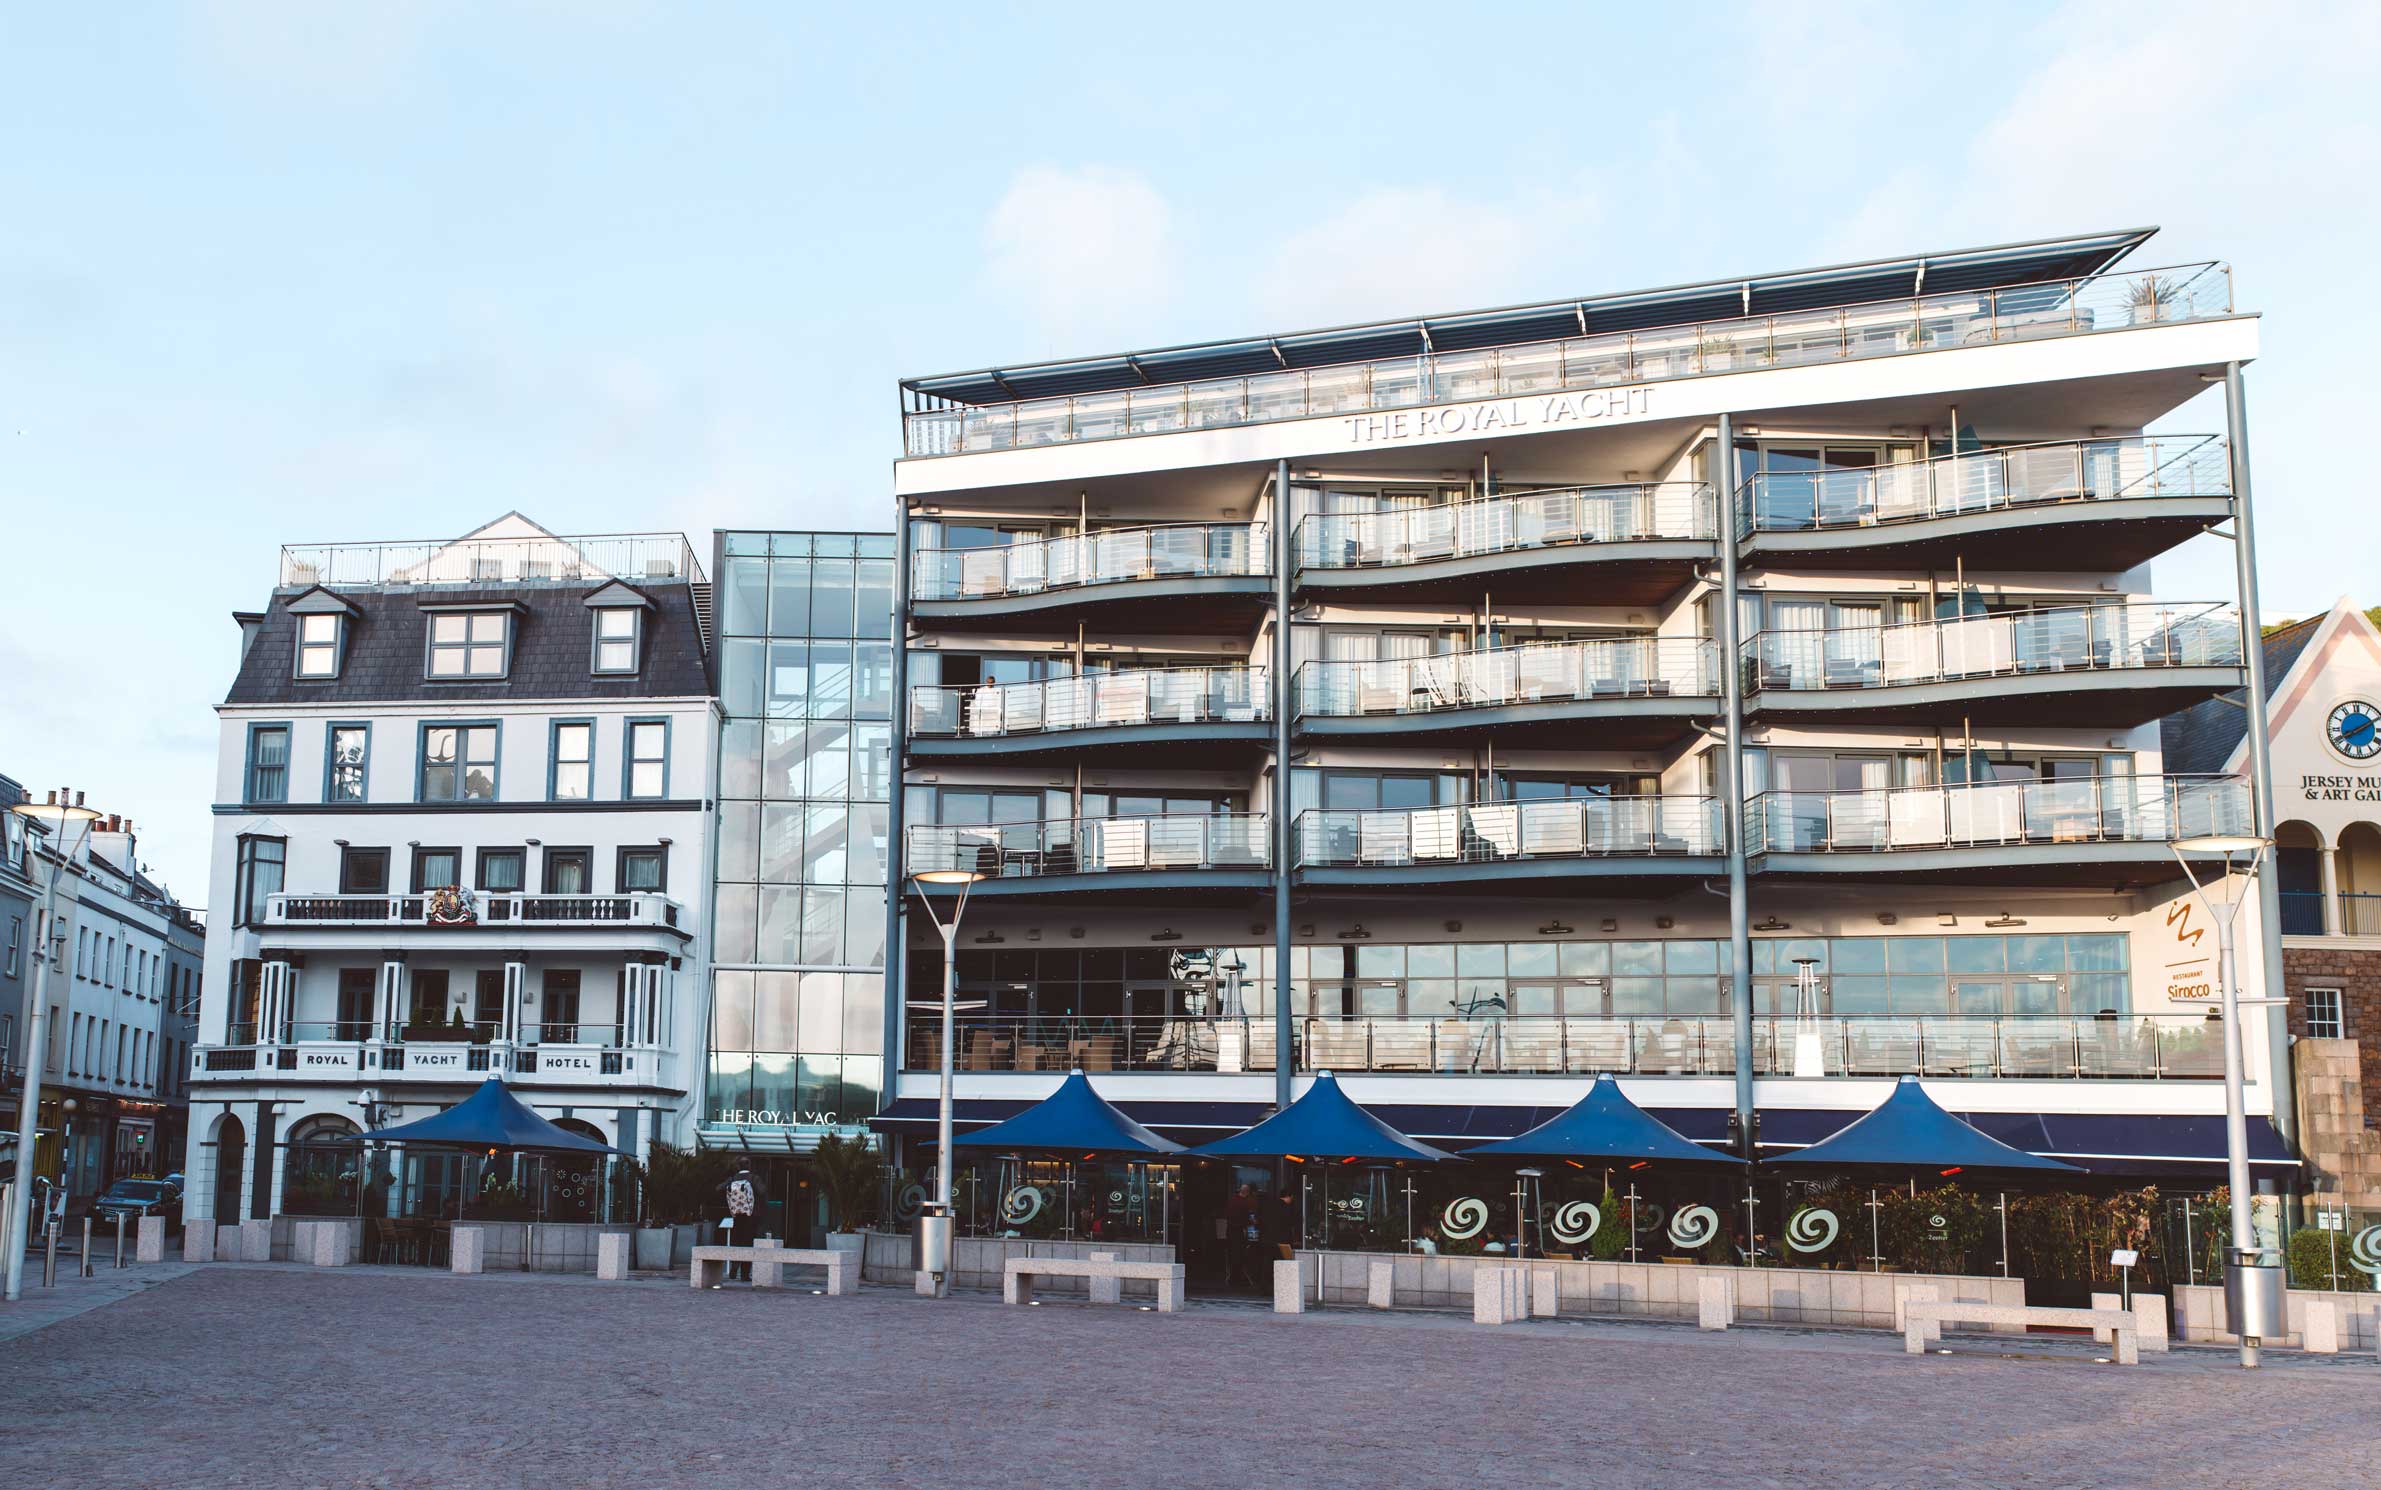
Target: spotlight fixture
x=1167, y=935
x=1888, y=918
x=2004, y=919
x=1608, y=924
x=1554, y=928
x=1664, y=923
x=1946, y=919
x=1356, y=933
x=1454, y=925
x=1772, y=923
x=990, y=938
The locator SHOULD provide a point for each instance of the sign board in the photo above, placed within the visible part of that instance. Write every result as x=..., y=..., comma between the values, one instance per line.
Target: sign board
x=2124, y=1257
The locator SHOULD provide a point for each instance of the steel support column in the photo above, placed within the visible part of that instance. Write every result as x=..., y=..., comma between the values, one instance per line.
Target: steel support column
x=1284, y=1030
x=1722, y=471
x=896, y=1024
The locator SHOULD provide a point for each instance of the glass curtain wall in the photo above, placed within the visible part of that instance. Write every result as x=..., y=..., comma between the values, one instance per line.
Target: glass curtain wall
x=796, y=1030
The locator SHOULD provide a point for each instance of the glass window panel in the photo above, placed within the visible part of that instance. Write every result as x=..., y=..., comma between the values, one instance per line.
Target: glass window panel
x=1914, y=954
x=2034, y=995
x=789, y=597
x=774, y=1087
x=830, y=680
x=863, y=1084
x=1430, y=960
x=831, y=597
x=1480, y=959
x=822, y=843
x=1858, y=955
x=820, y=1094
x=740, y=758
x=829, y=772
x=1374, y=961
x=1764, y=957
x=874, y=594
x=728, y=1089
x=2037, y=954
x=788, y=680
x=447, y=629
x=2096, y=952
x=1691, y=957
x=822, y=926
x=1975, y=954
x=781, y=843
x=739, y=840
x=872, y=680
x=863, y=1011
x=2093, y=993
x=774, y=1007
x=732, y=913
x=1429, y=995
x=1530, y=959
x=780, y=938
x=782, y=760
x=1918, y=994
x=1796, y=947
x=1638, y=996
x=1635, y=959
x=744, y=586
x=1586, y=959
x=872, y=757
x=865, y=860
x=1856, y=995
x=740, y=668
x=1694, y=995
x=864, y=931
x=574, y=762
x=731, y=1010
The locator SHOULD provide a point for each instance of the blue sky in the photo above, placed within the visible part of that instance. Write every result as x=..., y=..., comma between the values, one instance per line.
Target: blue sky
x=282, y=272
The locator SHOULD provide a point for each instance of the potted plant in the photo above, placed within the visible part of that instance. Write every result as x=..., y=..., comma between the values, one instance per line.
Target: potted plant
x=673, y=1187
x=850, y=1175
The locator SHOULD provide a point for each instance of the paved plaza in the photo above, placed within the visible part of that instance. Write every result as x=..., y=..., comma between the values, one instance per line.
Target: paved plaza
x=279, y=1376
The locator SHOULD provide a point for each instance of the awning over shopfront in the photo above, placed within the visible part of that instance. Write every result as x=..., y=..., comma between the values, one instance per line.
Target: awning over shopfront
x=490, y=1118
x=1603, y=1126
x=1908, y=1132
x=1324, y=1124
x=1074, y=1120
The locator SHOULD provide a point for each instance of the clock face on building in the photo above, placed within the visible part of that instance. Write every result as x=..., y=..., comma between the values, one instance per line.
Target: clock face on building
x=2354, y=729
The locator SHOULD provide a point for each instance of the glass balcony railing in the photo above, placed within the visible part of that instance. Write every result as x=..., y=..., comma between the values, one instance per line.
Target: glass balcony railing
x=1993, y=814
x=1108, y=557
x=1984, y=481
x=2038, y=1047
x=635, y=557
x=1496, y=525
x=2062, y=639
x=2116, y=301
x=1093, y=845
x=1115, y=700
x=1537, y=672
x=1507, y=832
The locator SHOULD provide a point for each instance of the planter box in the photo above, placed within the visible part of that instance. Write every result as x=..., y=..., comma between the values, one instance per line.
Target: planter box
x=980, y=1262
x=2199, y=1314
x=653, y=1247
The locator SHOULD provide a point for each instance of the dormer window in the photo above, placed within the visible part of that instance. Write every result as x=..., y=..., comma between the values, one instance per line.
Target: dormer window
x=616, y=639
x=318, y=646
x=469, y=644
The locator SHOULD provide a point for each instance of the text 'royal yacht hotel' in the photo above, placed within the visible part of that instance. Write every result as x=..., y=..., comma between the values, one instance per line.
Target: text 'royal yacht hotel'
x=1748, y=687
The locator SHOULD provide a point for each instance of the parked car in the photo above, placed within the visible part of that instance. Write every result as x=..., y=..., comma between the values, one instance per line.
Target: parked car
x=135, y=1199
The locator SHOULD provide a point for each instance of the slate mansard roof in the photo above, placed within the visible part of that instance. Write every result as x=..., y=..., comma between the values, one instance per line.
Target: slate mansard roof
x=2200, y=740
x=384, y=652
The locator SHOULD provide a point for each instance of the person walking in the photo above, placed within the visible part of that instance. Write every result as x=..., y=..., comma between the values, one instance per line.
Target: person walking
x=742, y=1197
x=1242, y=1235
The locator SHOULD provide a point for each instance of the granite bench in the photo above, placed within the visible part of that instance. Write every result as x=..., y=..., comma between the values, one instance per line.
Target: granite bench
x=710, y=1266
x=1106, y=1274
x=1923, y=1320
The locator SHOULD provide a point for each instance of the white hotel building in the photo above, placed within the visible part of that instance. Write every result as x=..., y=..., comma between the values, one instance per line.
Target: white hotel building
x=461, y=831
x=1456, y=702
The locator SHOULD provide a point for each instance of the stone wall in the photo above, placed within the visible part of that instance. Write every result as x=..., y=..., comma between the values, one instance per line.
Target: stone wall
x=979, y=1261
x=2199, y=1315
x=2337, y=962
x=2343, y=1152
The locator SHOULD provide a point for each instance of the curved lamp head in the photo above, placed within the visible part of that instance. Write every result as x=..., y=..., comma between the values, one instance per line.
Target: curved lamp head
x=946, y=877
x=2226, y=844
x=55, y=811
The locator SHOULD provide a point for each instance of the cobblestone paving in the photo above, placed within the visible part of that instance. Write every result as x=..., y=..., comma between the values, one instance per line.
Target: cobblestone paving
x=257, y=1376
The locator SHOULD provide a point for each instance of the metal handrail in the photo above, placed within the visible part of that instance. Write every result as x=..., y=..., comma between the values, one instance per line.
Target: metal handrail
x=2084, y=305
x=635, y=557
x=1119, y=699
x=1501, y=832
x=2132, y=467
x=487, y=908
x=1101, y=557
x=1533, y=672
x=2076, y=638
x=1558, y=517
x=2096, y=809
x=1093, y=845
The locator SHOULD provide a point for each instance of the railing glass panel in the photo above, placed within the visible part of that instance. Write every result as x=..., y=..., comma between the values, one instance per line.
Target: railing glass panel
x=2083, y=638
x=1499, y=832
x=1093, y=845
x=2103, y=809
x=1495, y=525
x=1984, y=481
x=1122, y=699
x=1538, y=672
x=1107, y=557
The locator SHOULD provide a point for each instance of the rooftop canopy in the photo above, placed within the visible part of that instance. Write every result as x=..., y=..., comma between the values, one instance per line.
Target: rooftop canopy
x=1636, y=310
x=1075, y=1121
x=1325, y=1124
x=490, y=1118
x=1908, y=1132
x=1604, y=1127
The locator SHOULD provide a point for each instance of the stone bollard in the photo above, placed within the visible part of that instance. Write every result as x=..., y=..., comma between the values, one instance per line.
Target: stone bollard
x=1500, y=1294
x=1911, y=1293
x=149, y=1242
x=1380, y=1284
x=2319, y=1333
x=1106, y=1290
x=1545, y=1292
x=198, y=1241
x=327, y=1246
x=468, y=1250
x=2150, y=1322
x=925, y=1284
x=1715, y=1301
x=256, y=1241
x=611, y=1256
x=1289, y=1285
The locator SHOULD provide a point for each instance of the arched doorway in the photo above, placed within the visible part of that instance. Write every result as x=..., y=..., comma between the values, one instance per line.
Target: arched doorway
x=230, y=1145
x=2359, y=871
x=2298, y=866
x=321, y=1168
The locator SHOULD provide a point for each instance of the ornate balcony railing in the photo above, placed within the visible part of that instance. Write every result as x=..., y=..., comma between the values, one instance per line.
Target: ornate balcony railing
x=2099, y=809
x=1984, y=481
x=1109, y=556
x=1093, y=845
x=2115, y=301
x=1506, y=832
x=475, y=908
x=2037, y=1047
x=2078, y=638
x=1114, y=700
x=1506, y=524
x=1533, y=673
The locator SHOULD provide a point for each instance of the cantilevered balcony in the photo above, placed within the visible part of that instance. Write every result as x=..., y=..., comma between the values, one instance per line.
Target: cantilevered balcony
x=1185, y=856
x=2086, y=504
x=346, y=1052
x=1180, y=577
x=1624, y=693
x=1490, y=847
x=1433, y=366
x=2115, y=665
x=635, y=919
x=1633, y=544
x=1174, y=713
x=2103, y=830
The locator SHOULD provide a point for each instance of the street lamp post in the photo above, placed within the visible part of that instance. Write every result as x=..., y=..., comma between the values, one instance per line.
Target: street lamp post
x=2243, y=1289
x=58, y=809
x=934, y=1238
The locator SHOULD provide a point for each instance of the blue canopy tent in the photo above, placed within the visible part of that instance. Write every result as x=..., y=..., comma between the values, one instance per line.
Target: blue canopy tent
x=1605, y=1127
x=1074, y=1121
x=1326, y=1125
x=490, y=1118
x=1908, y=1133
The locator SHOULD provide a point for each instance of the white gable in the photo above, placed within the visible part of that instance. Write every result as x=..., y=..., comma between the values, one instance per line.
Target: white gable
x=2315, y=782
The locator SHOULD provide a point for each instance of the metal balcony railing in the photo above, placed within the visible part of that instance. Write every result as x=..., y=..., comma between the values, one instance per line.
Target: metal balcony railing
x=1114, y=700
x=2079, y=638
x=1984, y=481
x=480, y=908
x=2115, y=301
x=1507, y=524
x=1536, y=672
x=1093, y=845
x=2037, y=1047
x=2101, y=809
x=1504, y=832
x=2349, y=913
x=635, y=557
x=1110, y=556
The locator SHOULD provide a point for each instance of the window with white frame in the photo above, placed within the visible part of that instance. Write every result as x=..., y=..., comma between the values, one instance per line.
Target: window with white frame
x=574, y=761
x=2323, y=1014
x=469, y=644
x=318, y=646
x=648, y=760
x=616, y=639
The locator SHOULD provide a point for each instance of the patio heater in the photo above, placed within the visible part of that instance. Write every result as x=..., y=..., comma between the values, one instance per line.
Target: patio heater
x=1810, y=1045
x=934, y=1219
x=2253, y=1286
x=59, y=809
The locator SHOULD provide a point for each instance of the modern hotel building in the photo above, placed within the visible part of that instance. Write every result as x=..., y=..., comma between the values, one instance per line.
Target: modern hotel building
x=1750, y=688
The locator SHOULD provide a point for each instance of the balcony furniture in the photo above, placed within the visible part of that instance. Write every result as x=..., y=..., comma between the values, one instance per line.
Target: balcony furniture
x=1059, y=858
x=986, y=1051
x=1096, y=1053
